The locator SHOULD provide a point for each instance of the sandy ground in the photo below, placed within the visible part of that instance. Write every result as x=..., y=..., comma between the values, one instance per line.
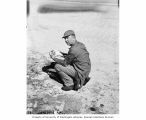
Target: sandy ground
x=99, y=32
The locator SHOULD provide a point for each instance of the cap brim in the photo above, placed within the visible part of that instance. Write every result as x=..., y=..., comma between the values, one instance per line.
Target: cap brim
x=65, y=36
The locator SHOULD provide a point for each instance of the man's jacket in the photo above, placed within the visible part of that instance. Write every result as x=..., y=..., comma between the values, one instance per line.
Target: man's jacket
x=78, y=57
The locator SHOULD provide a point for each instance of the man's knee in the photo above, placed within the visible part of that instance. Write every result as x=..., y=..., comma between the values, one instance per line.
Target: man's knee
x=58, y=67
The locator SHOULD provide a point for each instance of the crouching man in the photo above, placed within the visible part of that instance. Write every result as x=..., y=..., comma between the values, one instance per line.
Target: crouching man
x=75, y=68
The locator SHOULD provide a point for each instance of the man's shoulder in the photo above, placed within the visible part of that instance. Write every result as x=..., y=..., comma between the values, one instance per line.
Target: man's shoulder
x=80, y=43
x=77, y=47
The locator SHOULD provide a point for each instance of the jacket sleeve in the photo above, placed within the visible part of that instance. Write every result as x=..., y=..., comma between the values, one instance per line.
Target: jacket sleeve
x=70, y=57
x=62, y=62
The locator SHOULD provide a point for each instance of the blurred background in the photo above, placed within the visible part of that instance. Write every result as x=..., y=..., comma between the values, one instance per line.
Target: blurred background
x=95, y=23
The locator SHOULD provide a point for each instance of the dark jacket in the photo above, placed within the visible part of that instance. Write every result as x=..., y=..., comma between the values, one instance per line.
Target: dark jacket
x=78, y=57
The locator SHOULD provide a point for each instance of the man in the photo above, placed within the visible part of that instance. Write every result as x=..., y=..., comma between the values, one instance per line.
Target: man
x=76, y=66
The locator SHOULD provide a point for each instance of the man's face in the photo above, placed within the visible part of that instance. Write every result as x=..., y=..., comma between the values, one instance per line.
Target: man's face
x=68, y=40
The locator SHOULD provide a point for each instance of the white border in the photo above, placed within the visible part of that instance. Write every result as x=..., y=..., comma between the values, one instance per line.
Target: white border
x=13, y=60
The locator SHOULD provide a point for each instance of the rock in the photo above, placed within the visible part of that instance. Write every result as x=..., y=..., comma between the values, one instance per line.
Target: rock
x=72, y=105
x=35, y=104
x=60, y=108
x=29, y=110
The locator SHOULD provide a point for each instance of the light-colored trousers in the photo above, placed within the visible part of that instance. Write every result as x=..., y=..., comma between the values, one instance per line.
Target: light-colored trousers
x=66, y=73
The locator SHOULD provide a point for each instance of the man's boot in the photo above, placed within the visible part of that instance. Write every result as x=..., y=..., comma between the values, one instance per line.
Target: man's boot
x=86, y=80
x=67, y=88
x=77, y=84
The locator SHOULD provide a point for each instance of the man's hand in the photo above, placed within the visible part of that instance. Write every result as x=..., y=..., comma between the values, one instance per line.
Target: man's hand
x=56, y=54
x=52, y=54
x=64, y=54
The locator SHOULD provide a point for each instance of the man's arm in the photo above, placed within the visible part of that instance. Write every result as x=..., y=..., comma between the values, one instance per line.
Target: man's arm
x=64, y=54
x=70, y=57
x=62, y=62
x=54, y=56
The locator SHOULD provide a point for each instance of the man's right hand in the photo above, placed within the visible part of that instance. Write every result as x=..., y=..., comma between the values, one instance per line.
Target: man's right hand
x=52, y=54
x=64, y=54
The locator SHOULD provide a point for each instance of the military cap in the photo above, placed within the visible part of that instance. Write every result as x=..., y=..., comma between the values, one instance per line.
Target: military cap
x=68, y=33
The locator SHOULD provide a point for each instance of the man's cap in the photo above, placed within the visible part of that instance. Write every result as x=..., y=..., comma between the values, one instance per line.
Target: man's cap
x=68, y=33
